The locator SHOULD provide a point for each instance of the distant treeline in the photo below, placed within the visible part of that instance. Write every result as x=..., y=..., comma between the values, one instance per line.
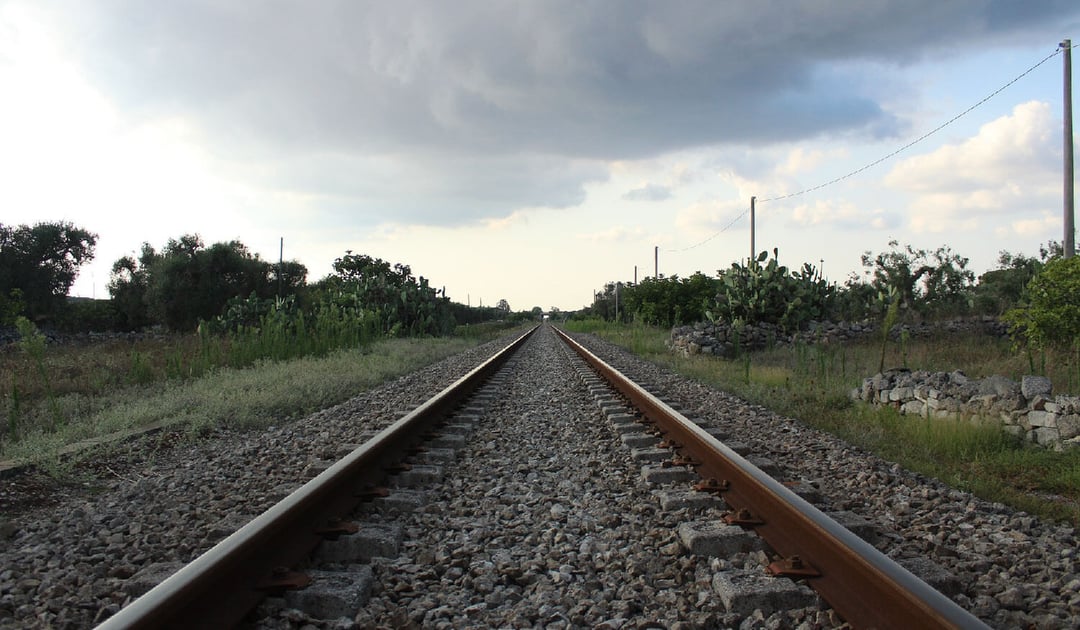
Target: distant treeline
x=187, y=285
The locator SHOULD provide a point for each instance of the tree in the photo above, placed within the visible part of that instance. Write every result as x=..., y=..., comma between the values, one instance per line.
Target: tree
x=503, y=306
x=1052, y=315
x=405, y=304
x=39, y=264
x=288, y=277
x=186, y=282
x=936, y=282
x=127, y=287
x=1001, y=289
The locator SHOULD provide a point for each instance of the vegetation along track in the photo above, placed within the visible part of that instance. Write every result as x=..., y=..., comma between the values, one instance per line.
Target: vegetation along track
x=544, y=518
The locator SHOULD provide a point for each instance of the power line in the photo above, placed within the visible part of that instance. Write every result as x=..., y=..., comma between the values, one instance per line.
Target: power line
x=882, y=159
x=722, y=230
x=920, y=138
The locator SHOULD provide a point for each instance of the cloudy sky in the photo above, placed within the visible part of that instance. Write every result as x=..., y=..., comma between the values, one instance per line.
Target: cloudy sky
x=532, y=151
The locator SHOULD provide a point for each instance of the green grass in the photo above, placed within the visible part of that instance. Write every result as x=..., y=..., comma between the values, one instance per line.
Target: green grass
x=266, y=393
x=811, y=384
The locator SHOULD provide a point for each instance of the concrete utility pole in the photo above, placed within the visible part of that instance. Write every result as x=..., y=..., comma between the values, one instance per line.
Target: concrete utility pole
x=656, y=262
x=1069, y=246
x=753, y=253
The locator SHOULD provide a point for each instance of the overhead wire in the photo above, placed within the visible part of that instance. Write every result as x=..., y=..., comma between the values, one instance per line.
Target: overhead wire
x=881, y=159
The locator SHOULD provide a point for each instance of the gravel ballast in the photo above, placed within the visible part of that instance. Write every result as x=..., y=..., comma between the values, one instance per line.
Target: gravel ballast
x=543, y=518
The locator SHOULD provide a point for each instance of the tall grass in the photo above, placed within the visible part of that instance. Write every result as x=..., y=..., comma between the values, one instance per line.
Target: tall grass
x=267, y=392
x=76, y=382
x=812, y=383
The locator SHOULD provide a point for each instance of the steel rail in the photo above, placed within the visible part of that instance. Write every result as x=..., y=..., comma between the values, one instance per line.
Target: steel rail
x=221, y=586
x=868, y=589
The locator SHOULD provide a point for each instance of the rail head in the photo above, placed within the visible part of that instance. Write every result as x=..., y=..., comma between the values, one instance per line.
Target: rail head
x=862, y=584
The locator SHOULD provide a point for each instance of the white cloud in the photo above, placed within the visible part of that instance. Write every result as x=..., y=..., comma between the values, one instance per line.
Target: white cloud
x=618, y=234
x=801, y=160
x=711, y=215
x=1011, y=167
x=841, y=214
x=1048, y=226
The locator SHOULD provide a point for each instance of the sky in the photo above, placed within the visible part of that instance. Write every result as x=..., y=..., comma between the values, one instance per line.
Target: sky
x=535, y=151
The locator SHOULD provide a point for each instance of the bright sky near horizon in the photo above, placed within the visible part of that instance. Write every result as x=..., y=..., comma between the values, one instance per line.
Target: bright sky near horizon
x=533, y=151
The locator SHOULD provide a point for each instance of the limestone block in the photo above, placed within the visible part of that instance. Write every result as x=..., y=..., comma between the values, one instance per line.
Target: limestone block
x=1030, y=386
x=913, y=408
x=1038, y=418
x=1045, y=435
x=1068, y=426
x=901, y=394
x=983, y=401
x=1010, y=403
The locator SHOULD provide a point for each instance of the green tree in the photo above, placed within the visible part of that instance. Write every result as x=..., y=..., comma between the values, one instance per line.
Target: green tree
x=187, y=282
x=669, y=301
x=930, y=283
x=38, y=265
x=1052, y=314
x=604, y=302
x=406, y=305
x=127, y=287
x=1003, y=288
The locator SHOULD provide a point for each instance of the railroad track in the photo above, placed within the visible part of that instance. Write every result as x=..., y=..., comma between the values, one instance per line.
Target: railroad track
x=270, y=558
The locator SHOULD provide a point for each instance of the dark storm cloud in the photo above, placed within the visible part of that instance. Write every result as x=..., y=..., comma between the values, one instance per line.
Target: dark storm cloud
x=493, y=92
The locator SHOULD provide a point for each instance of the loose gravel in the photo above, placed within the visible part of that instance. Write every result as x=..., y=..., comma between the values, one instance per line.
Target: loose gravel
x=72, y=559
x=1007, y=567
x=543, y=519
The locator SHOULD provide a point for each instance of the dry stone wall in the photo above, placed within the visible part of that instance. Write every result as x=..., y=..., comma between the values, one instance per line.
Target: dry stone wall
x=1027, y=409
x=724, y=340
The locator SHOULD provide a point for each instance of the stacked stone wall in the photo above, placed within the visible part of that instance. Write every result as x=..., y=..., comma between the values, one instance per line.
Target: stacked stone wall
x=1027, y=409
x=724, y=340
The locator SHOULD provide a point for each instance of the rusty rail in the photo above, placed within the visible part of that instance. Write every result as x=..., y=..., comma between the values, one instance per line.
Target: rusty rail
x=221, y=586
x=864, y=586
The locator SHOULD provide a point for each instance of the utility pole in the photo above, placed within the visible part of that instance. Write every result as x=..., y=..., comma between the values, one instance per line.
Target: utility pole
x=635, y=275
x=656, y=262
x=1069, y=246
x=753, y=252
